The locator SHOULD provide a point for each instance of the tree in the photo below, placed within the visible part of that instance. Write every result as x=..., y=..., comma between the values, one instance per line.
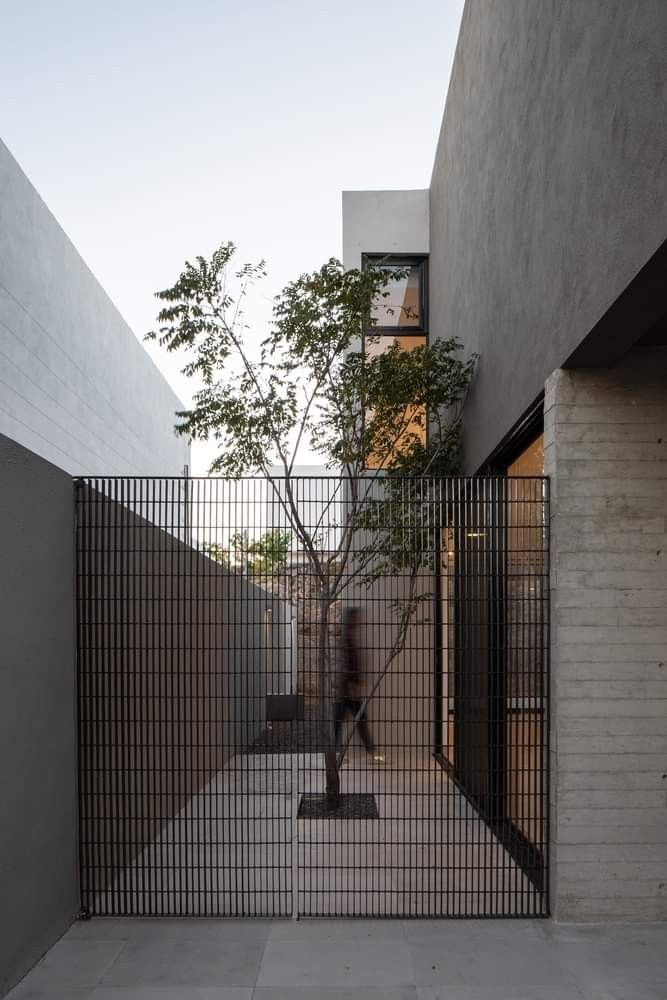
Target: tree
x=263, y=556
x=313, y=379
x=218, y=553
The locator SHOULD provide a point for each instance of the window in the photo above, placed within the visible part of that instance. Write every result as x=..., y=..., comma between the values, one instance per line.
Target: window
x=404, y=308
x=399, y=319
x=526, y=598
x=531, y=460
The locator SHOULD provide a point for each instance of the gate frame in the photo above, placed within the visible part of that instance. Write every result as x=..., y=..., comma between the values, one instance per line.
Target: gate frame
x=515, y=842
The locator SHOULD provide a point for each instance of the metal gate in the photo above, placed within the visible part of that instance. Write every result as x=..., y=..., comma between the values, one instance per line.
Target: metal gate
x=316, y=697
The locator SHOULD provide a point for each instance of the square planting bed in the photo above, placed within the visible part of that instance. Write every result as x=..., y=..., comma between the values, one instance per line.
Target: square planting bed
x=349, y=806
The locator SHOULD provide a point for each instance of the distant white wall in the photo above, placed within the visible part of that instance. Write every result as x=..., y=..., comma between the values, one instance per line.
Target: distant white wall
x=318, y=494
x=76, y=386
x=384, y=222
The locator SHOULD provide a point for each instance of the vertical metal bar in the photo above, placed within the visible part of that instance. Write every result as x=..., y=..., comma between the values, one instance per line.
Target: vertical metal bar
x=170, y=641
x=83, y=696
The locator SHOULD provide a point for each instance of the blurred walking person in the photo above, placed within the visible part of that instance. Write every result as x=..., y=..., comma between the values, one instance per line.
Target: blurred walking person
x=350, y=696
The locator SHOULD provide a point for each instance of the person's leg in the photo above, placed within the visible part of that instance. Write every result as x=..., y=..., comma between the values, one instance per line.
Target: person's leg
x=363, y=728
x=339, y=715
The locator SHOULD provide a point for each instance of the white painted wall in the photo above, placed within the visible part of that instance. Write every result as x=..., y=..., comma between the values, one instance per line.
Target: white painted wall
x=76, y=386
x=384, y=222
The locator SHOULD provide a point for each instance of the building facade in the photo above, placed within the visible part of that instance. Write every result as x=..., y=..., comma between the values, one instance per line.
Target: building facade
x=544, y=231
x=76, y=386
x=78, y=394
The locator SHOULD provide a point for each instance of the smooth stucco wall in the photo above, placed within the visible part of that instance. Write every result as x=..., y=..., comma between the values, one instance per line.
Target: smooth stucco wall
x=384, y=222
x=39, y=895
x=606, y=454
x=76, y=386
x=549, y=188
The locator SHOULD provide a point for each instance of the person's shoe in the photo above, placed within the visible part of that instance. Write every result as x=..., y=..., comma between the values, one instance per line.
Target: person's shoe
x=378, y=758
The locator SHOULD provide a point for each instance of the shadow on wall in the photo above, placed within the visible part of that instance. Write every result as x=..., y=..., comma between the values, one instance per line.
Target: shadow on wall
x=175, y=661
x=401, y=709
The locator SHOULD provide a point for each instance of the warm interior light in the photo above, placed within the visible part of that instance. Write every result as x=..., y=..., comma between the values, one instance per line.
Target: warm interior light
x=476, y=534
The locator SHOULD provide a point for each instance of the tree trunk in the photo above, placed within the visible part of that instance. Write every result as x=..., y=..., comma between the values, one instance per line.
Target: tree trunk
x=326, y=714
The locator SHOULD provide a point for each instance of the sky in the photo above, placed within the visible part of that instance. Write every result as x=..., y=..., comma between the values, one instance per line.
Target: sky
x=154, y=131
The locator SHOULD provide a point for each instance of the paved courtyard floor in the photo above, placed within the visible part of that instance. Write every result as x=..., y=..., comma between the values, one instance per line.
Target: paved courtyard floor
x=237, y=848
x=227, y=959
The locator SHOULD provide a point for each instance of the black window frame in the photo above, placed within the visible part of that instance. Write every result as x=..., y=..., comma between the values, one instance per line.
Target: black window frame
x=402, y=260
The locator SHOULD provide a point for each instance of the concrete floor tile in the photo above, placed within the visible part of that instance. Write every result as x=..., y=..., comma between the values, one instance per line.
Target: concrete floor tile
x=169, y=929
x=613, y=959
x=173, y=993
x=100, y=929
x=333, y=993
x=498, y=992
x=487, y=960
x=165, y=929
x=28, y=992
x=186, y=962
x=656, y=992
x=340, y=930
x=222, y=959
x=352, y=963
x=74, y=963
x=452, y=931
x=434, y=964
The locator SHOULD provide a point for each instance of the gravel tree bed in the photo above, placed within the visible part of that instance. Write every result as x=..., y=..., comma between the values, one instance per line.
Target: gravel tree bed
x=357, y=805
x=303, y=736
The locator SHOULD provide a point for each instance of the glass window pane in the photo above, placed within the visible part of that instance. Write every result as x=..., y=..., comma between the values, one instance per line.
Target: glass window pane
x=525, y=573
x=414, y=417
x=531, y=461
x=402, y=306
x=526, y=651
x=379, y=344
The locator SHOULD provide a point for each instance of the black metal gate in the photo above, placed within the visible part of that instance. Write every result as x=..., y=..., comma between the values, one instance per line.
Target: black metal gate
x=232, y=632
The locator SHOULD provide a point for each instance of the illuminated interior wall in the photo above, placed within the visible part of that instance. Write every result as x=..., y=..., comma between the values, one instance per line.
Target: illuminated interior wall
x=525, y=657
x=414, y=417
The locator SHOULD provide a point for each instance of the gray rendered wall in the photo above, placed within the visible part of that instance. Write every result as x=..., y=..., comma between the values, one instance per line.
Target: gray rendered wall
x=38, y=734
x=549, y=190
x=606, y=454
x=401, y=710
x=76, y=386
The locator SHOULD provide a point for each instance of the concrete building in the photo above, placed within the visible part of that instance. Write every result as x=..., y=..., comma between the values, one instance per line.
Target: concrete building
x=540, y=245
x=78, y=394
x=76, y=386
x=543, y=235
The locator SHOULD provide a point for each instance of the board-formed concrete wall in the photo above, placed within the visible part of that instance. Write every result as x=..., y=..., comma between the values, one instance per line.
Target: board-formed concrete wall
x=76, y=386
x=606, y=454
x=39, y=893
x=549, y=188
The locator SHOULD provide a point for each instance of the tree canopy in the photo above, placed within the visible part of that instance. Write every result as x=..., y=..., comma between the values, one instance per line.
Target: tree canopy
x=380, y=417
x=313, y=380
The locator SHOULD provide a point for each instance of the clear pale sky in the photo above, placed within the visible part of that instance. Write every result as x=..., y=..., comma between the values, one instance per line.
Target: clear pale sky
x=155, y=130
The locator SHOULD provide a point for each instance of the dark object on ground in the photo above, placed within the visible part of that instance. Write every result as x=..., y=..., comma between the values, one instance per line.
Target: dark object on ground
x=303, y=736
x=352, y=806
x=284, y=707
